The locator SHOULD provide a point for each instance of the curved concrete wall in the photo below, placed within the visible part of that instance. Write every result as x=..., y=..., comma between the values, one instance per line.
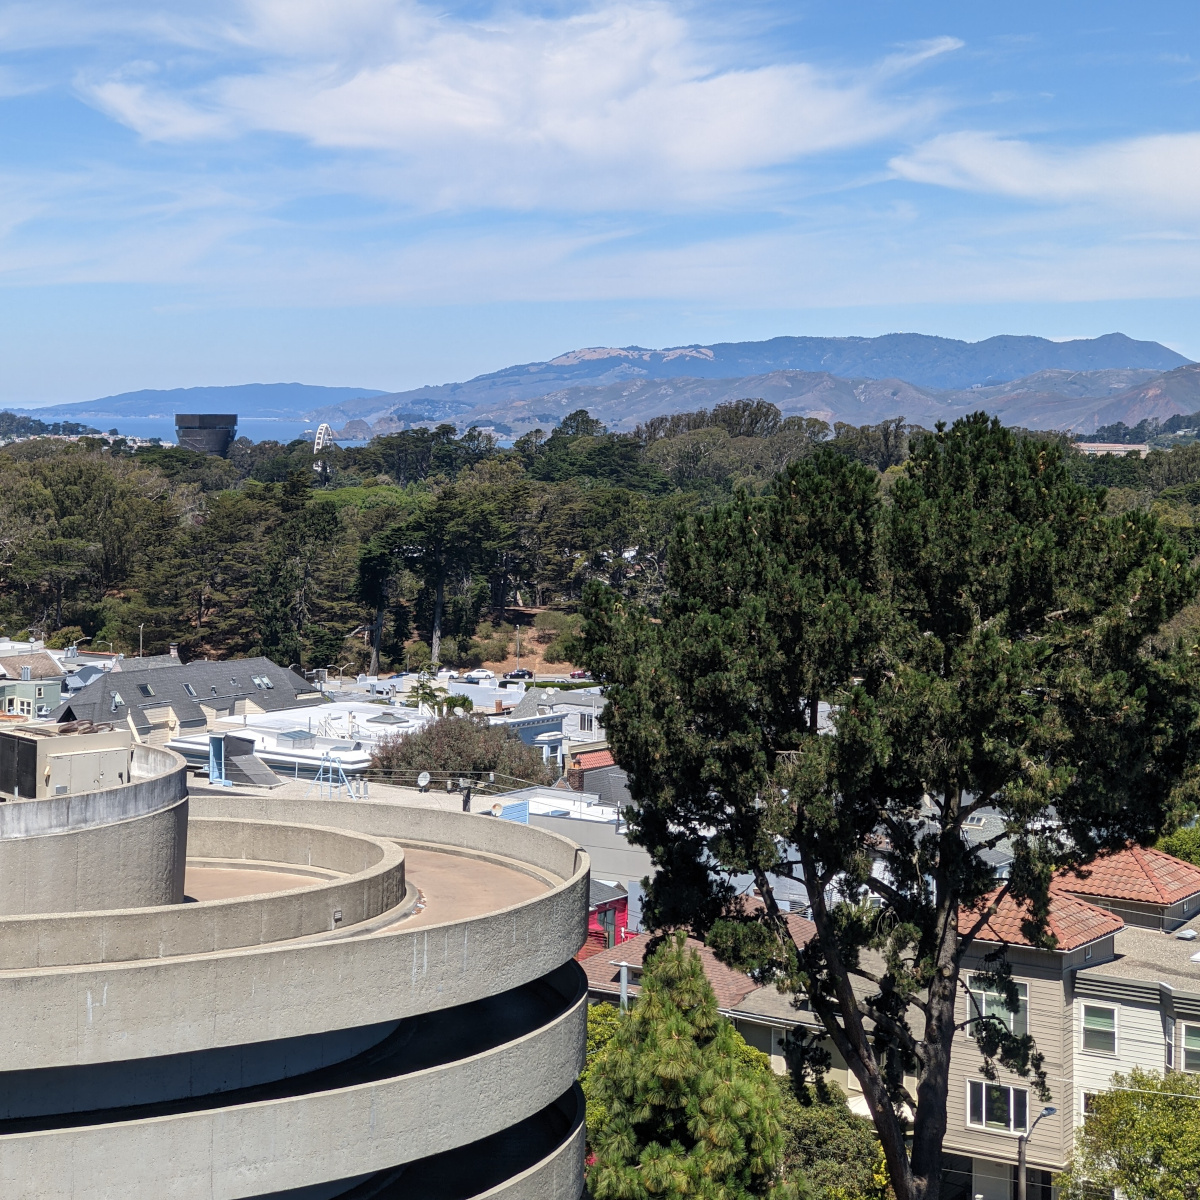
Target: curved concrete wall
x=128, y=935
x=82, y=1014
x=247, y=1149
x=264, y=1052
x=559, y=1176
x=121, y=848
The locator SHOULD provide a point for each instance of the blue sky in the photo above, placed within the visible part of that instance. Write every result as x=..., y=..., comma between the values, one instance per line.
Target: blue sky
x=387, y=193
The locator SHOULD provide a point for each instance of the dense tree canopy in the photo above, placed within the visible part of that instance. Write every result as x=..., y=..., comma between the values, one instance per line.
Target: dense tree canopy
x=424, y=532
x=682, y=1112
x=984, y=639
x=1140, y=1140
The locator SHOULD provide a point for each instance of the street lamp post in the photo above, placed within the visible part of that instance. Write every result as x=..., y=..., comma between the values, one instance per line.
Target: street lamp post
x=1048, y=1111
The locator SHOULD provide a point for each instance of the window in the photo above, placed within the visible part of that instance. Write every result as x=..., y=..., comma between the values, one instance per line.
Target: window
x=1087, y=953
x=258, y=681
x=191, y=691
x=1088, y=1105
x=992, y=1004
x=39, y=693
x=975, y=820
x=1191, y=1047
x=1099, y=1029
x=586, y=722
x=116, y=701
x=994, y=1106
x=26, y=708
x=145, y=689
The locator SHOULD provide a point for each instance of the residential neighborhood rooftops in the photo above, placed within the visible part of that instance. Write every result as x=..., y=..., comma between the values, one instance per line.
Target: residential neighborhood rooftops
x=591, y=759
x=600, y=892
x=41, y=666
x=1073, y=923
x=1135, y=873
x=735, y=992
x=131, y=693
x=535, y=697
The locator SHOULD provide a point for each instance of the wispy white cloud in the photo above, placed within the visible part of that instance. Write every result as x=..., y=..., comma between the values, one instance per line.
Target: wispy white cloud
x=1157, y=175
x=622, y=105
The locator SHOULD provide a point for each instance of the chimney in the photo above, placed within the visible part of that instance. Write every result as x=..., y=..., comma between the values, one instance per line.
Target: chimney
x=499, y=706
x=175, y=650
x=26, y=674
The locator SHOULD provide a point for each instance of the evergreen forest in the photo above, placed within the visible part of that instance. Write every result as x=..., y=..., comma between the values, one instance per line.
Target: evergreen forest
x=366, y=556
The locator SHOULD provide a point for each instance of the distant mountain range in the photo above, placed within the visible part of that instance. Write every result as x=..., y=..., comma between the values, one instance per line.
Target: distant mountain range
x=1029, y=381
x=860, y=380
x=281, y=400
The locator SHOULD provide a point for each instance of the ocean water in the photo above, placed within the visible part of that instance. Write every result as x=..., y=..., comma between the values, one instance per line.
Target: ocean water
x=257, y=429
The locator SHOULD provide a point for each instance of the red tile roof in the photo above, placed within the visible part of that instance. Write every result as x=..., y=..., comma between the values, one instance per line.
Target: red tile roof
x=1073, y=922
x=604, y=976
x=731, y=987
x=590, y=759
x=1134, y=873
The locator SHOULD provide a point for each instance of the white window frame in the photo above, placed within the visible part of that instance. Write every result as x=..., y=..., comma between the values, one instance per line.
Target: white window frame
x=1009, y=1131
x=1084, y=1097
x=1084, y=1048
x=587, y=723
x=981, y=1008
x=1183, y=1046
x=25, y=708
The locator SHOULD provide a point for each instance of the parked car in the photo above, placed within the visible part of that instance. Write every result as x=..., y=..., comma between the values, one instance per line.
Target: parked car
x=581, y=674
x=479, y=675
x=520, y=673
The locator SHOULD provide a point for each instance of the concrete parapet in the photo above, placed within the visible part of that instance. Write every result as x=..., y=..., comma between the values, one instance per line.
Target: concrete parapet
x=120, y=848
x=374, y=885
x=249, y=1046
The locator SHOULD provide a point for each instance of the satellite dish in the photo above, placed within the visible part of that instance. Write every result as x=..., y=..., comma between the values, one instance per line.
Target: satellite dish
x=423, y=780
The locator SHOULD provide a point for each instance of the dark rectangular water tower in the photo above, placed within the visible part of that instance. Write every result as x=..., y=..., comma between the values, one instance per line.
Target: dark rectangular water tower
x=206, y=433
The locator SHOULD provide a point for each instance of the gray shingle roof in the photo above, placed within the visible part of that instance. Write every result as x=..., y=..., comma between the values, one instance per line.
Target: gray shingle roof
x=185, y=687
x=600, y=892
x=585, y=701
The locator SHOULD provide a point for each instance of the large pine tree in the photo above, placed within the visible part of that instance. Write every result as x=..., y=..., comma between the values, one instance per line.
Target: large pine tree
x=983, y=638
x=684, y=1114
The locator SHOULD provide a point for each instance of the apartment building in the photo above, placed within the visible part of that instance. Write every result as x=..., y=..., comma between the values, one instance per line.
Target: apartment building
x=1120, y=990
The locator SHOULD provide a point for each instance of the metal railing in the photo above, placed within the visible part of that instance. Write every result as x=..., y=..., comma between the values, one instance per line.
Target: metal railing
x=481, y=782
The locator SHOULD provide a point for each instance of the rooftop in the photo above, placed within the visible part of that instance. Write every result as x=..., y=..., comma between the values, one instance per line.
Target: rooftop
x=1073, y=922
x=41, y=666
x=1151, y=956
x=133, y=690
x=1135, y=873
x=735, y=992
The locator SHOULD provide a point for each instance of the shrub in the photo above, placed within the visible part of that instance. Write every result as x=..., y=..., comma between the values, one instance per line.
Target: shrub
x=684, y=1114
x=558, y=633
x=466, y=744
x=836, y=1151
x=1183, y=843
x=63, y=637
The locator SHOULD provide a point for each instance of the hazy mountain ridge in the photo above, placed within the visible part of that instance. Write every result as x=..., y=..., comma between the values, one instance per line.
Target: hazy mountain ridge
x=931, y=366
x=245, y=399
x=1028, y=381
x=1077, y=401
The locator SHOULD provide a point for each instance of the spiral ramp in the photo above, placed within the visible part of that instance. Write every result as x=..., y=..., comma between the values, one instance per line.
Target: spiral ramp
x=352, y=999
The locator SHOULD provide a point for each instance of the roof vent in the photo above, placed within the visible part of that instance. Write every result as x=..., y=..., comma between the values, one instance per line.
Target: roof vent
x=26, y=674
x=1186, y=935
